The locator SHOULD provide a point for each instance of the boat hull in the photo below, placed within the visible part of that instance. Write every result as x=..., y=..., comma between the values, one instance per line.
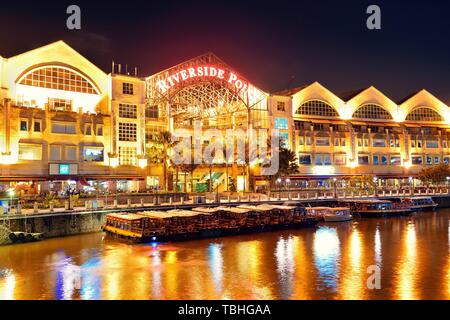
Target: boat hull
x=337, y=218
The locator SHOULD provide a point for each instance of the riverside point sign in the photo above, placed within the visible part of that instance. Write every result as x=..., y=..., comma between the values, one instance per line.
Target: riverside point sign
x=202, y=72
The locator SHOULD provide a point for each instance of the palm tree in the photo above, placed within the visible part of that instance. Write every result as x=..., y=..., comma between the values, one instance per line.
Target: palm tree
x=160, y=151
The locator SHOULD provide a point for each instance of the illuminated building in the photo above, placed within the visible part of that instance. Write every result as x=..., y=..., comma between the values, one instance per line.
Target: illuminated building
x=63, y=119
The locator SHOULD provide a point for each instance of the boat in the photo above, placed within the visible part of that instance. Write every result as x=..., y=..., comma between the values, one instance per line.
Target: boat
x=376, y=208
x=420, y=203
x=203, y=222
x=338, y=214
x=330, y=214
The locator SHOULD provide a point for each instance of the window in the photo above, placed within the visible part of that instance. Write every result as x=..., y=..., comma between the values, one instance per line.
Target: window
x=127, y=131
x=436, y=159
x=71, y=153
x=56, y=104
x=308, y=140
x=416, y=159
x=281, y=106
x=342, y=142
x=395, y=160
x=127, y=156
x=336, y=142
x=30, y=151
x=93, y=154
x=446, y=159
x=23, y=125
x=152, y=112
x=281, y=123
x=58, y=78
x=375, y=160
x=379, y=143
x=364, y=160
x=301, y=141
x=284, y=139
x=99, y=130
x=316, y=108
x=304, y=159
x=65, y=128
x=419, y=143
x=444, y=143
x=392, y=142
x=37, y=126
x=372, y=111
x=384, y=160
x=55, y=152
x=127, y=88
x=424, y=114
x=128, y=111
x=322, y=141
x=88, y=129
x=323, y=159
x=340, y=159
x=429, y=159
x=432, y=144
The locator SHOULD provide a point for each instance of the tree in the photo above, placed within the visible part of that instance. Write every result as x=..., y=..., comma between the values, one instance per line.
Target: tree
x=435, y=174
x=161, y=146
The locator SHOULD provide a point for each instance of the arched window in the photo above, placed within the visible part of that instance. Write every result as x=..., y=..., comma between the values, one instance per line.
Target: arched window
x=316, y=108
x=372, y=111
x=424, y=114
x=59, y=78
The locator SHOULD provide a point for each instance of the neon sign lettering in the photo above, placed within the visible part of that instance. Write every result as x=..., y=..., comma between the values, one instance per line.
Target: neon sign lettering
x=201, y=72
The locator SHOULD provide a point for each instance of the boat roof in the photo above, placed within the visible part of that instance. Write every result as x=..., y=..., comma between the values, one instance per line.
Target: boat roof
x=183, y=213
x=418, y=198
x=318, y=208
x=235, y=209
x=255, y=208
x=207, y=210
x=339, y=208
x=125, y=216
x=369, y=201
x=156, y=214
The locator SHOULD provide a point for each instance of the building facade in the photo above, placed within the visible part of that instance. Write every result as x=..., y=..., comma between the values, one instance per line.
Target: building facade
x=64, y=123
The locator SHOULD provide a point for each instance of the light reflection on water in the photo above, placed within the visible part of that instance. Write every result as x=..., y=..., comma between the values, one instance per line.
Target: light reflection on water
x=329, y=262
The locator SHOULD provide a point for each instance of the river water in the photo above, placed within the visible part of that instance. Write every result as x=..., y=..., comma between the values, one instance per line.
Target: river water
x=411, y=255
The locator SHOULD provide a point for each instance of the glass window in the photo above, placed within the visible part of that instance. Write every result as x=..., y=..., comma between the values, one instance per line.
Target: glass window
x=379, y=143
x=93, y=154
x=300, y=141
x=281, y=106
x=59, y=78
x=336, y=142
x=432, y=144
x=316, y=108
x=127, y=131
x=308, y=141
x=342, y=142
x=327, y=160
x=127, y=88
x=23, y=125
x=372, y=111
x=375, y=160
x=444, y=143
x=88, y=130
x=56, y=104
x=424, y=114
x=384, y=160
x=416, y=160
x=71, y=153
x=281, y=123
x=65, y=128
x=99, y=130
x=436, y=159
x=419, y=143
x=30, y=151
x=340, y=159
x=429, y=159
x=127, y=156
x=446, y=159
x=55, y=152
x=152, y=112
x=364, y=160
x=395, y=160
x=318, y=159
x=37, y=126
x=128, y=111
x=284, y=139
x=304, y=159
x=322, y=141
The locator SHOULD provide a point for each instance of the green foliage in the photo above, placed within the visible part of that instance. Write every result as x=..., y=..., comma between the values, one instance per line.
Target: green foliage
x=435, y=174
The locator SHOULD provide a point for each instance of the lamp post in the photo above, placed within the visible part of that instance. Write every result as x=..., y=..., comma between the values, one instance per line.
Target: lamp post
x=411, y=185
x=279, y=188
x=11, y=195
x=335, y=188
x=375, y=182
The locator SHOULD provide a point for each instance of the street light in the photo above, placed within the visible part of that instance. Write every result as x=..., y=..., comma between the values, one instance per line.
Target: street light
x=11, y=195
x=335, y=187
x=279, y=188
x=375, y=181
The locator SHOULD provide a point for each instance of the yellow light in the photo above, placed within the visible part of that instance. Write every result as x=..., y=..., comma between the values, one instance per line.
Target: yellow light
x=353, y=164
x=142, y=163
x=407, y=164
x=323, y=170
x=114, y=162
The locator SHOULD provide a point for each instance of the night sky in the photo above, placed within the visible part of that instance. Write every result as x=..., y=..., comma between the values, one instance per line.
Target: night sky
x=275, y=45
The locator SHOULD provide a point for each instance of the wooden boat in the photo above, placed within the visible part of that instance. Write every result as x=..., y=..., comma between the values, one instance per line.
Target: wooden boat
x=377, y=208
x=258, y=218
x=208, y=221
x=338, y=214
x=231, y=218
x=420, y=203
x=126, y=225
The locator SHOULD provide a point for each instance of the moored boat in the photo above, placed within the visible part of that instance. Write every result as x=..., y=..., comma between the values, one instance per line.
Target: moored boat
x=420, y=203
x=377, y=208
x=330, y=214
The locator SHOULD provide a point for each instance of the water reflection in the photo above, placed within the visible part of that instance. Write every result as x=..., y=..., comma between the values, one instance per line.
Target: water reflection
x=326, y=256
x=329, y=262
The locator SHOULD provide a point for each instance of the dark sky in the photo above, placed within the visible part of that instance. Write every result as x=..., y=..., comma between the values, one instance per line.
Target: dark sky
x=267, y=42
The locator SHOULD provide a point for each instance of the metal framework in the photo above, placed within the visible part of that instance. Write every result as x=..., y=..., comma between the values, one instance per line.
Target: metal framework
x=203, y=97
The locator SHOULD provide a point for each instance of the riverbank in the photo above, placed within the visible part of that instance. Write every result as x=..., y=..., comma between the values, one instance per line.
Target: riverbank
x=82, y=220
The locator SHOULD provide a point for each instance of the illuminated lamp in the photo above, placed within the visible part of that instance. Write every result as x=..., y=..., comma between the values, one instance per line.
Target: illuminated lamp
x=353, y=164
x=142, y=162
x=6, y=158
x=407, y=164
x=113, y=161
x=323, y=170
